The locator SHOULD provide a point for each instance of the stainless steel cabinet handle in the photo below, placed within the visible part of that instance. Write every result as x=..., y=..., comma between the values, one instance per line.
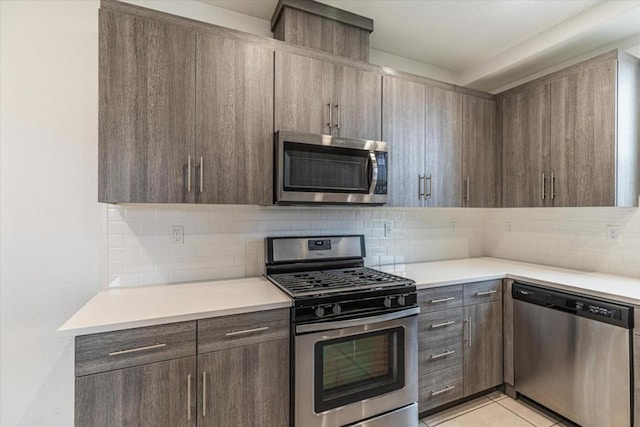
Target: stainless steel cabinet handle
x=553, y=186
x=338, y=119
x=433, y=301
x=430, y=178
x=441, y=325
x=247, y=331
x=544, y=181
x=444, y=390
x=201, y=174
x=467, y=185
x=189, y=397
x=438, y=356
x=189, y=175
x=469, y=335
x=204, y=394
x=330, y=124
x=420, y=192
x=134, y=350
x=479, y=294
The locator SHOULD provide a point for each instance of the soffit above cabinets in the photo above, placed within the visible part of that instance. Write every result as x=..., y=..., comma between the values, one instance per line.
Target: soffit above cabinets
x=489, y=45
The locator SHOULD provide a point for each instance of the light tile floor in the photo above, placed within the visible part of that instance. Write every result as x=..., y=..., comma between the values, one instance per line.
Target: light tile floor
x=493, y=410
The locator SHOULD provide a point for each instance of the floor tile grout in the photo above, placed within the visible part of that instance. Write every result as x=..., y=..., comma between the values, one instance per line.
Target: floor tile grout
x=489, y=402
x=520, y=416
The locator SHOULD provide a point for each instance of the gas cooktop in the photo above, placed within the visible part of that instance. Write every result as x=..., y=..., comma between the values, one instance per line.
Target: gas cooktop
x=320, y=282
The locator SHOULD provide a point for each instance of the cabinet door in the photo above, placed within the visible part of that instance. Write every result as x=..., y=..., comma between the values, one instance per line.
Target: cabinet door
x=443, y=147
x=153, y=395
x=583, y=137
x=525, y=148
x=404, y=120
x=146, y=110
x=479, y=156
x=234, y=121
x=359, y=104
x=483, y=347
x=245, y=386
x=304, y=91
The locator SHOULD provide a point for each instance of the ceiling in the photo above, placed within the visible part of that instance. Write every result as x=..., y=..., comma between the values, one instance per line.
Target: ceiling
x=486, y=44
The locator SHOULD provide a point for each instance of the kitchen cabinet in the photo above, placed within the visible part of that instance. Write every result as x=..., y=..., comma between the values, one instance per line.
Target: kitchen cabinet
x=317, y=96
x=146, y=109
x=422, y=124
x=245, y=386
x=184, y=117
x=459, y=342
x=570, y=138
x=234, y=122
x=479, y=152
x=230, y=370
x=158, y=394
x=443, y=144
x=404, y=130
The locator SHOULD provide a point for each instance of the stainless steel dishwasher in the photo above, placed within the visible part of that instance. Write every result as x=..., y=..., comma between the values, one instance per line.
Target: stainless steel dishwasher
x=573, y=355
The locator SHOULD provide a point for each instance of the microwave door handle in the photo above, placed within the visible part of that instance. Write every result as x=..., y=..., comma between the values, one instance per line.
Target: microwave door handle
x=373, y=179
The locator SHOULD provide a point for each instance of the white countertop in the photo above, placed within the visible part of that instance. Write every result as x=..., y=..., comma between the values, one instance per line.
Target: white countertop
x=122, y=308
x=451, y=272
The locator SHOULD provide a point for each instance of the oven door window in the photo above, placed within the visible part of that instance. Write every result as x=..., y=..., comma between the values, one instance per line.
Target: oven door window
x=322, y=169
x=350, y=369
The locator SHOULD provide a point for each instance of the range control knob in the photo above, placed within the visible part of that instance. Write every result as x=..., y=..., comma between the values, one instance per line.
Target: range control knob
x=387, y=302
x=336, y=309
x=401, y=300
x=320, y=312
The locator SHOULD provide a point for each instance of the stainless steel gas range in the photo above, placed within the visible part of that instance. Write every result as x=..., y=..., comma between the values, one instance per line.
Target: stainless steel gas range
x=354, y=334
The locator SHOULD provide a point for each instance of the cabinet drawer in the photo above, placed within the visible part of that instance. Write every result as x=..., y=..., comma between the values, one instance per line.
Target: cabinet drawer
x=475, y=293
x=239, y=330
x=442, y=298
x=131, y=347
x=440, y=387
x=433, y=327
x=440, y=354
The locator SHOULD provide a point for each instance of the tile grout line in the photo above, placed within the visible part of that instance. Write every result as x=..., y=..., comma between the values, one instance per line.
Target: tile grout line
x=490, y=401
x=519, y=416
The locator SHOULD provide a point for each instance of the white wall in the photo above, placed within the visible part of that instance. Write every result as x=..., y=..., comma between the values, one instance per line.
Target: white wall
x=51, y=249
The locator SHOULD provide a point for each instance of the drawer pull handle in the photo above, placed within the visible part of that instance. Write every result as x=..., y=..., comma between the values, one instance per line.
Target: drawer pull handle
x=434, y=301
x=442, y=325
x=189, y=397
x=247, y=331
x=134, y=350
x=480, y=294
x=446, y=353
x=444, y=390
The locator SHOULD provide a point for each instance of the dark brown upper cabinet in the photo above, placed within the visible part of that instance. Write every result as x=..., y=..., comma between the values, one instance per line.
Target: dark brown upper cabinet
x=570, y=138
x=185, y=116
x=146, y=110
x=331, y=98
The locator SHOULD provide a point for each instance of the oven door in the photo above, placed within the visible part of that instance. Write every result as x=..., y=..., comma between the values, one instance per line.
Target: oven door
x=324, y=169
x=356, y=370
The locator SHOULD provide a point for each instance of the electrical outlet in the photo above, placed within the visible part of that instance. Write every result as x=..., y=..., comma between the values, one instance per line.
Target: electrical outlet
x=387, y=229
x=453, y=226
x=509, y=226
x=177, y=234
x=613, y=234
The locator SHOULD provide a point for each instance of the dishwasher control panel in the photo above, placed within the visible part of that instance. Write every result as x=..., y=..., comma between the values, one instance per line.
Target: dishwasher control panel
x=580, y=305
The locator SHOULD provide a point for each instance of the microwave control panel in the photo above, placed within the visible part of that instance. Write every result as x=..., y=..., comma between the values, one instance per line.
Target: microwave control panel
x=381, y=184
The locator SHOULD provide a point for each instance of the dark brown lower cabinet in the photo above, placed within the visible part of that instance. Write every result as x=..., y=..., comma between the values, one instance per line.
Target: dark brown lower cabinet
x=153, y=395
x=245, y=386
x=483, y=347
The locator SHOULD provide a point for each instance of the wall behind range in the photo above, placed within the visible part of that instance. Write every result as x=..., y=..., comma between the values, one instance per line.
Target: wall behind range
x=228, y=241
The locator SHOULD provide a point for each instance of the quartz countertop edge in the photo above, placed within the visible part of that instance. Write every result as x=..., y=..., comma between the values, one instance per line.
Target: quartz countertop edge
x=115, y=309
x=455, y=272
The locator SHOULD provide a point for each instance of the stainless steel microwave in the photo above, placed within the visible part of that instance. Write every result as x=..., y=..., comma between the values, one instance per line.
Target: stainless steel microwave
x=312, y=168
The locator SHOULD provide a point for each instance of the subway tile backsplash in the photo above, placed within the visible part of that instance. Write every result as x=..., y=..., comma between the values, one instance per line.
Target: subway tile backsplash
x=228, y=241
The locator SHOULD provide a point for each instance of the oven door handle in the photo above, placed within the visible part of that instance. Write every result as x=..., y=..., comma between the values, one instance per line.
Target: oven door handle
x=373, y=170
x=340, y=324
